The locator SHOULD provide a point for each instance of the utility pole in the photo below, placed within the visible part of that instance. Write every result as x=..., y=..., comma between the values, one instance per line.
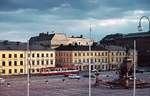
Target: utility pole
x=134, y=82
x=28, y=68
x=90, y=63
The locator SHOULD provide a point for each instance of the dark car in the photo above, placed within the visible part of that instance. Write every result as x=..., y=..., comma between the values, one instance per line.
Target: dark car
x=139, y=71
x=87, y=75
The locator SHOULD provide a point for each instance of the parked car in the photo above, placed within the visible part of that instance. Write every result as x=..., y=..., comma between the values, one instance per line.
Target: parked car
x=87, y=75
x=139, y=71
x=74, y=76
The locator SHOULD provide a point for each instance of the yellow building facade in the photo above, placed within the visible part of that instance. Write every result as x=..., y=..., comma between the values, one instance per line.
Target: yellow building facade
x=14, y=62
x=99, y=58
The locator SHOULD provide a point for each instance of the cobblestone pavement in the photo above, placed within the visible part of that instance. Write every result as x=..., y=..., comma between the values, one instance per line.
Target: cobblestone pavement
x=70, y=87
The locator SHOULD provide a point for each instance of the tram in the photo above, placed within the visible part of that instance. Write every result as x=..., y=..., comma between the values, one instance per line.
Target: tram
x=59, y=70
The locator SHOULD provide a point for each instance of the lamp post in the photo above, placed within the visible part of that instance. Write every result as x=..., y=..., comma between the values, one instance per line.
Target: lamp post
x=140, y=27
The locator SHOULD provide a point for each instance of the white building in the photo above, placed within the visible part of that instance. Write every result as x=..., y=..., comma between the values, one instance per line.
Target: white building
x=56, y=39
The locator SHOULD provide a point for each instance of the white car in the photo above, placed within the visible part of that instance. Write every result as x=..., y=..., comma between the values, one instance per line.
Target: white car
x=74, y=76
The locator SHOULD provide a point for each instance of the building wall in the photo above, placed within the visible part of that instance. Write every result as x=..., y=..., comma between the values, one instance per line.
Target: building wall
x=79, y=41
x=64, y=58
x=41, y=59
x=100, y=60
x=14, y=62
x=116, y=58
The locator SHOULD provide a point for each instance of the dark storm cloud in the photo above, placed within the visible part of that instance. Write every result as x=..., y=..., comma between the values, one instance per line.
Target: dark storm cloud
x=77, y=9
x=73, y=16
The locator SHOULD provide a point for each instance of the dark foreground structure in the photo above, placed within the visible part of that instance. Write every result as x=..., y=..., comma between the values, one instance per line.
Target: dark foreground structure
x=125, y=78
x=126, y=40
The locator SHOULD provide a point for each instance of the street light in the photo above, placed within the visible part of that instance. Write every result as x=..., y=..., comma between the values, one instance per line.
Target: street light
x=140, y=27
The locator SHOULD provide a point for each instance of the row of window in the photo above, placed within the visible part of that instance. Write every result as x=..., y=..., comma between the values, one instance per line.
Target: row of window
x=100, y=54
x=12, y=63
x=21, y=55
x=10, y=71
x=91, y=54
x=35, y=70
x=12, y=55
x=102, y=60
x=47, y=62
x=15, y=63
x=41, y=55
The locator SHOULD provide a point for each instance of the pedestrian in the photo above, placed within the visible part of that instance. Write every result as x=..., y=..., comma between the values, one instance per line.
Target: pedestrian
x=63, y=79
x=46, y=81
x=8, y=84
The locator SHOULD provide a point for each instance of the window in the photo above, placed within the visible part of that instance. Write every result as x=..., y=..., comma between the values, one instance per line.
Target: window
x=47, y=62
x=3, y=63
x=75, y=54
x=87, y=60
x=106, y=54
x=38, y=62
x=32, y=62
x=95, y=54
x=37, y=70
x=3, y=71
x=87, y=54
x=21, y=70
x=120, y=53
x=79, y=54
x=79, y=60
x=15, y=71
x=91, y=54
x=99, y=54
x=33, y=55
x=102, y=54
x=51, y=54
x=21, y=55
x=10, y=71
x=38, y=55
x=15, y=63
x=9, y=63
x=83, y=60
x=112, y=59
x=51, y=61
x=47, y=55
x=15, y=55
x=3, y=55
x=9, y=56
x=42, y=55
x=33, y=70
x=112, y=54
x=83, y=54
x=42, y=62
x=21, y=62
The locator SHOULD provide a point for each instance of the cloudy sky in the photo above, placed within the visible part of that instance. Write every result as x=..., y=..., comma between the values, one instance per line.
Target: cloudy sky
x=21, y=19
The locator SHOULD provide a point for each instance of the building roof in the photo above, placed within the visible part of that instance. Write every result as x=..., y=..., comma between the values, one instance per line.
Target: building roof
x=141, y=34
x=12, y=45
x=115, y=48
x=42, y=37
x=79, y=48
